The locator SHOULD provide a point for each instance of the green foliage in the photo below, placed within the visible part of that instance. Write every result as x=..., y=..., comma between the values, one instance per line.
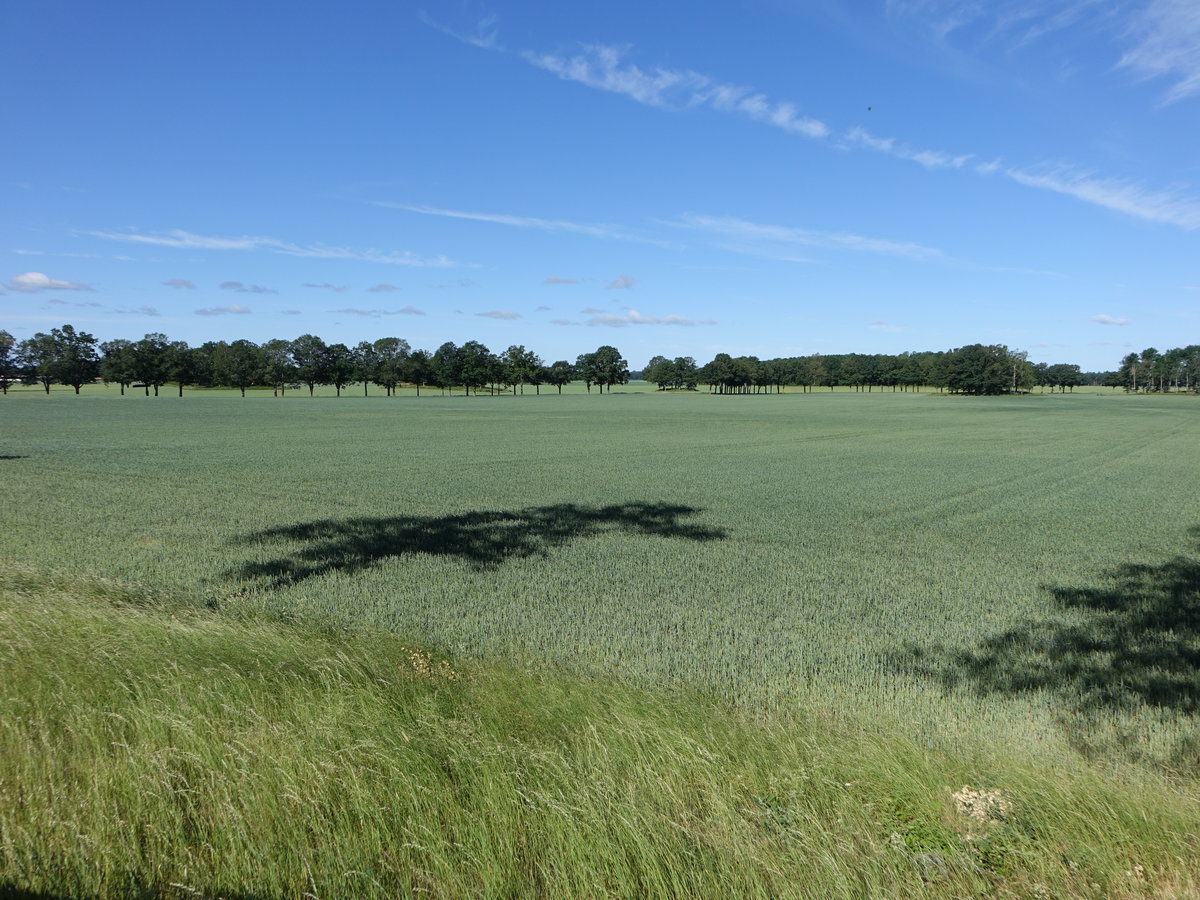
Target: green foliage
x=604, y=368
x=64, y=356
x=979, y=369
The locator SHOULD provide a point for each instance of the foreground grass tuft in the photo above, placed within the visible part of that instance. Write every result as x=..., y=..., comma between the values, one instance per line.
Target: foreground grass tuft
x=150, y=749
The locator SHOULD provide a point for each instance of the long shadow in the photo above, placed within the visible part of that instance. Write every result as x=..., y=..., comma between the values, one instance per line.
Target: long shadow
x=484, y=539
x=13, y=456
x=1136, y=643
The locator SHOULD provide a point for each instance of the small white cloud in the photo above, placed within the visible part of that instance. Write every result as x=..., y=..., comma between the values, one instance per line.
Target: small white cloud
x=179, y=283
x=500, y=314
x=633, y=317
x=326, y=286
x=622, y=283
x=290, y=312
x=377, y=313
x=555, y=280
x=383, y=288
x=33, y=282
x=1109, y=320
x=245, y=289
x=543, y=309
x=562, y=322
x=140, y=311
x=592, y=311
x=232, y=310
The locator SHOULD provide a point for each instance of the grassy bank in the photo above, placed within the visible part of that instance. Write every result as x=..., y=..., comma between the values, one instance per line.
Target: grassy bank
x=149, y=746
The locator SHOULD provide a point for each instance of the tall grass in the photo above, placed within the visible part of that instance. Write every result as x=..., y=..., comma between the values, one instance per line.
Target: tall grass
x=148, y=748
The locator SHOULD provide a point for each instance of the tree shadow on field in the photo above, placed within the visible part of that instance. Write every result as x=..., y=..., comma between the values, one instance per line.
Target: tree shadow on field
x=484, y=539
x=13, y=456
x=1135, y=643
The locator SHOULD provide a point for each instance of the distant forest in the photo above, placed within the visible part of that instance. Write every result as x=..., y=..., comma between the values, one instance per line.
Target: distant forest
x=67, y=356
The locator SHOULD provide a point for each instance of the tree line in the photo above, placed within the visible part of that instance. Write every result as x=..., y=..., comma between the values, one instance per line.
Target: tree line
x=70, y=357
x=973, y=369
x=1151, y=371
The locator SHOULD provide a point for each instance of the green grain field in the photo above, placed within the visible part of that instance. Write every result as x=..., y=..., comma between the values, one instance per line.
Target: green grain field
x=1016, y=572
x=882, y=548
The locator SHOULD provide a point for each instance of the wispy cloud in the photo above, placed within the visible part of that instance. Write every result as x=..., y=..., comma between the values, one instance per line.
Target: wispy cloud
x=179, y=283
x=382, y=288
x=592, y=311
x=543, y=309
x=379, y=313
x=1013, y=25
x=602, y=66
x=621, y=283
x=633, y=317
x=608, y=232
x=1167, y=35
x=35, y=282
x=1112, y=193
x=500, y=314
x=554, y=280
x=326, y=286
x=562, y=322
x=1109, y=320
x=245, y=289
x=140, y=311
x=779, y=242
x=232, y=310
x=186, y=240
x=483, y=33
x=930, y=159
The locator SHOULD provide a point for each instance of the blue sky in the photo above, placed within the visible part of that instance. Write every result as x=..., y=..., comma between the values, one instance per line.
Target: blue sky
x=771, y=178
